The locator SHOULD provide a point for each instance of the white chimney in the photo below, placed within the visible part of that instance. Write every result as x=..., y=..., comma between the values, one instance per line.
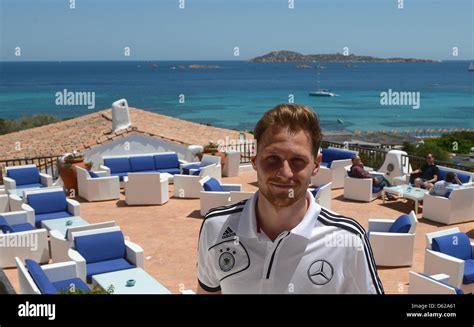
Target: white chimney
x=120, y=115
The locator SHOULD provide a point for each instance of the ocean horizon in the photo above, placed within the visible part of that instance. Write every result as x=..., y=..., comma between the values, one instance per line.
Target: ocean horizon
x=235, y=95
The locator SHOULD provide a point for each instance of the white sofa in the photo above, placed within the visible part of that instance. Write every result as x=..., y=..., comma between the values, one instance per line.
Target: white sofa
x=360, y=189
x=441, y=263
x=146, y=189
x=392, y=249
x=434, y=284
x=332, y=169
x=458, y=208
x=188, y=186
x=60, y=245
x=101, y=188
x=32, y=244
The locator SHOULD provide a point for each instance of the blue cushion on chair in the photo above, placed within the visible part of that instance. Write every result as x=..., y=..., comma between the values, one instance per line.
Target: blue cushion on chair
x=376, y=189
x=142, y=163
x=118, y=165
x=34, y=185
x=401, y=225
x=106, y=266
x=50, y=215
x=47, y=202
x=5, y=226
x=28, y=175
x=40, y=278
x=166, y=161
x=65, y=285
x=101, y=247
x=213, y=185
x=120, y=175
x=331, y=154
x=93, y=175
x=187, y=168
x=21, y=227
x=456, y=245
x=468, y=271
x=172, y=171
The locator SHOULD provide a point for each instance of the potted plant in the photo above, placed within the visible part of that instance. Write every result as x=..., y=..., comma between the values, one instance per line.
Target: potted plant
x=67, y=169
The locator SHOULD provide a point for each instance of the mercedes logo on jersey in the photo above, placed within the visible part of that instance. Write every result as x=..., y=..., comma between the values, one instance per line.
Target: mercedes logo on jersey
x=320, y=272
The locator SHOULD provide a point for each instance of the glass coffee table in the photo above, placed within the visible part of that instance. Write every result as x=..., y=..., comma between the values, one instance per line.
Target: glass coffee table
x=62, y=224
x=130, y=281
x=406, y=191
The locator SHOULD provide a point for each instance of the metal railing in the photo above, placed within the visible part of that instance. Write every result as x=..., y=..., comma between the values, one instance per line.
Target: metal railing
x=371, y=157
x=46, y=164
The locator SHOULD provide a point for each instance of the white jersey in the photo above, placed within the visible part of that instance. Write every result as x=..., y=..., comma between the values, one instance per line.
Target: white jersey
x=325, y=253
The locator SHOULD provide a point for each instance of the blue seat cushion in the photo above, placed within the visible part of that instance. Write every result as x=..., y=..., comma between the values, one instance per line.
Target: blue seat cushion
x=50, y=215
x=456, y=245
x=462, y=177
x=101, y=246
x=40, y=278
x=5, y=226
x=120, y=175
x=324, y=164
x=66, y=285
x=376, y=189
x=47, y=202
x=213, y=185
x=34, y=185
x=458, y=290
x=166, y=161
x=142, y=163
x=102, y=267
x=22, y=176
x=401, y=225
x=331, y=154
x=314, y=190
x=172, y=171
x=92, y=174
x=187, y=168
x=468, y=271
x=118, y=165
x=21, y=227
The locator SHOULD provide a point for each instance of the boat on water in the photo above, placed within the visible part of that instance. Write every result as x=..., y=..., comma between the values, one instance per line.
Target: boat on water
x=322, y=93
x=471, y=67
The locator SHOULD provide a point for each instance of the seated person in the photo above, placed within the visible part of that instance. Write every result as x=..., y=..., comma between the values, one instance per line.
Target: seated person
x=428, y=173
x=444, y=188
x=358, y=171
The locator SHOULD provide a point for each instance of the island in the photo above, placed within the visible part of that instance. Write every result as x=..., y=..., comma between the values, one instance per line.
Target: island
x=195, y=66
x=291, y=56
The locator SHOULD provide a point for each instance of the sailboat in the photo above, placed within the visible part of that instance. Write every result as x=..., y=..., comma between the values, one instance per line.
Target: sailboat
x=471, y=67
x=322, y=92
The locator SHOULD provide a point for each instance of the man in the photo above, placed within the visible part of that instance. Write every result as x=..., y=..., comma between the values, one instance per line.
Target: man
x=428, y=173
x=444, y=188
x=281, y=240
x=357, y=171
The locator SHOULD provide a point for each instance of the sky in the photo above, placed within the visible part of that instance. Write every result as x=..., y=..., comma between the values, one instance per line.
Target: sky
x=210, y=29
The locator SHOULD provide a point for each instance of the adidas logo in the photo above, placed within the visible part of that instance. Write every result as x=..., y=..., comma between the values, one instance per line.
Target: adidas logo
x=228, y=233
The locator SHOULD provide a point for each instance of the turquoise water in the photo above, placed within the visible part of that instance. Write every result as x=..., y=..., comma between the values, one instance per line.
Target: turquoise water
x=236, y=95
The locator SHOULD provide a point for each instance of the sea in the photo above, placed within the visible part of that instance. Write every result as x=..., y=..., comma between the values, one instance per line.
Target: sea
x=236, y=94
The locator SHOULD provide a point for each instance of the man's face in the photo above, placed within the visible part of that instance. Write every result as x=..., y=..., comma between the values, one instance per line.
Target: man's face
x=357, y=161
x=284, y=165
x=430, y=159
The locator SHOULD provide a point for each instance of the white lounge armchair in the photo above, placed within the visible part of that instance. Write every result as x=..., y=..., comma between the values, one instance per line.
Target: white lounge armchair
x=322, y=195
x=146, y=189
x=216, y=194
x=393, y=241
x=60, y=244
x=20, y=239
x=457, y=208
x=434, y=284
x=25, y=177
x=450, y=252
x=50, y=279
x=332, y=167
x=193, y=168
x=188, y=186
x=361, y=189
x=101, y=188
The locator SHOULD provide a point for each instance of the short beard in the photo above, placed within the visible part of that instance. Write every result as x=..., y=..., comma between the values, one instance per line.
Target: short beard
x=282, y=201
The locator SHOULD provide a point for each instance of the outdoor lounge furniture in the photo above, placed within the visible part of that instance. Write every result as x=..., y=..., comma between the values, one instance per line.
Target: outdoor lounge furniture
x=50, y=203
x=4, y=203
x=103, y=251
x=19, y=238
x=193, y=168
x=465, y=177
x=332, y=167
x=146, y=189
x=393, y=241
x=165, y=162
x=434, y=284
x=97, y=186
x=188, y=186
x=450, y=252
x=361, y=189
x=216, y=194
x=25, y=177
x=60, y=243
x=457, y=208
x=322, y=195
x=48, y=279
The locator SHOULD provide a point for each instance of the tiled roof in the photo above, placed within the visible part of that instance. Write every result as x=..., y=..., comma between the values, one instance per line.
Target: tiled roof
x=88, y=131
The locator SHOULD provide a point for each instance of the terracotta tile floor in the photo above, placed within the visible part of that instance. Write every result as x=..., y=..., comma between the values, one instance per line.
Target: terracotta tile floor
x=168, y=234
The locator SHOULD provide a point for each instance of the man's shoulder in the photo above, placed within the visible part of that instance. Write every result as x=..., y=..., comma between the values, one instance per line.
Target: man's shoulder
x=340, y=223
x=219, y=217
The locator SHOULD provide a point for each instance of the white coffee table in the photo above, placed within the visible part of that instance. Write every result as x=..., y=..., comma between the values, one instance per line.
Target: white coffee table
x=406, y=191
x=169, y=177
x=61, y=224
x=144, y=283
